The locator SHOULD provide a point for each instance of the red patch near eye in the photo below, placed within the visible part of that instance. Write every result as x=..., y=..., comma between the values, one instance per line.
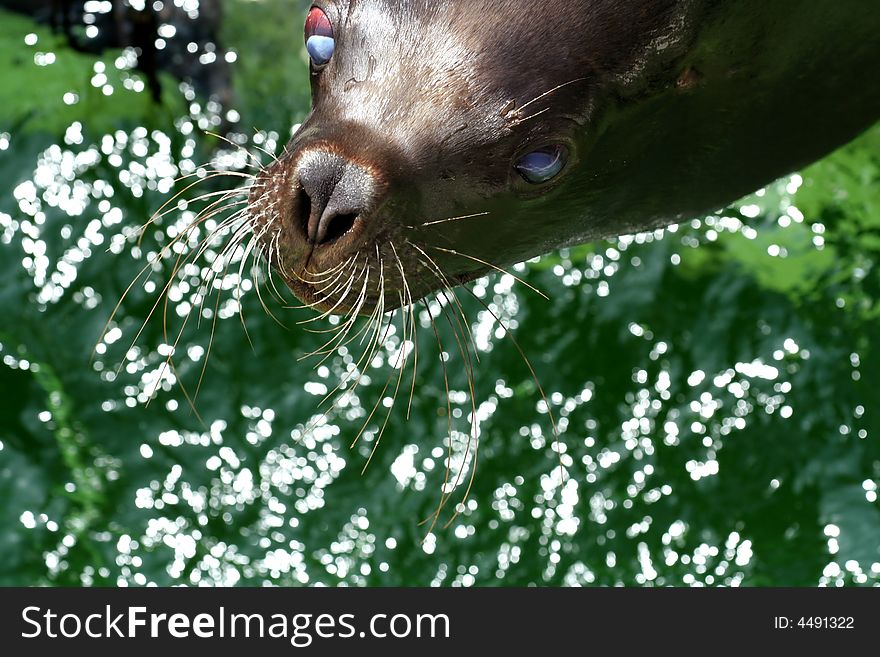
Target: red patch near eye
x=318, y=24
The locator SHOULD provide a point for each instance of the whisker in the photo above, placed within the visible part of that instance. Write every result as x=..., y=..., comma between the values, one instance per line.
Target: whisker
x=255, y=269
x=228, y=250
x=469, y=373
x=532, y=116
x=509, y=335
x=347, y=326
x=164, y=208
x=328, y=293
x=273, y=156
x=151, y=264
x=451, y=219
x=413, y=330
x=547, y=93
x=444, y=495
x=321, y=277
x=160, y=297
x=431, y=265
x=491, y=266
x=359, y=368
x=379, y=337
x=255, y=160
x=224, y=195
x=240, y=294
x=274, y=250
x=400, y=365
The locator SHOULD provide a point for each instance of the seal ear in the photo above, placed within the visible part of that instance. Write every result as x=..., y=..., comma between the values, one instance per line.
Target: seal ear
x=320, y=41
x=542, y=165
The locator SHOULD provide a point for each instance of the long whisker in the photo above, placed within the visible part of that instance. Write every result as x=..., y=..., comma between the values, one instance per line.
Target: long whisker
x=319, y=277
x=534, y=100
x=413, y=330
x=256, y=163
x=159, y=299
x=180, y=263
x=273, y=252
x=273, y=156
x=400, y=365
x=491, y=266
x=224, y=195
x=431, y=265
x=333, y=344
x=378, y=338
x=450, y=487
x=240, y=294
x=201, y=217
x=443, y=494
x=367, y=356
x=151, y=264
x=326, y=293
x=473, y=440
x=450, y=219
x=164, y=208
x=531, y=117
x=510, y=336
x=256, y=273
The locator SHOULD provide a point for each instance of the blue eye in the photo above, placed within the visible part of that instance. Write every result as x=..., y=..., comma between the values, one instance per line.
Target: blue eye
x=542, y=165
x=319, y=37
x=320, y=49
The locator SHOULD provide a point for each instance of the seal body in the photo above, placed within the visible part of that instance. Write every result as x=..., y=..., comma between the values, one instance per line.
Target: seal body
x=414, y=170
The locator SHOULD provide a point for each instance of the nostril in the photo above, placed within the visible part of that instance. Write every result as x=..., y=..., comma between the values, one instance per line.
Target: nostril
x=305, y=212
x=335, y=227
x=323, y=228
x=334, y=195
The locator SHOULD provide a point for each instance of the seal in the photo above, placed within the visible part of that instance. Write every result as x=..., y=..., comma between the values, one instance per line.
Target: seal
x=450, y=139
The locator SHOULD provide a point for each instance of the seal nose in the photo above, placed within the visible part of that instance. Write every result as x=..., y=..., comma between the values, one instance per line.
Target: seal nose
x=334, y=192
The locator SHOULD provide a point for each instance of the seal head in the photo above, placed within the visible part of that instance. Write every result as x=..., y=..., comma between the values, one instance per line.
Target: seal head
x=449, y=139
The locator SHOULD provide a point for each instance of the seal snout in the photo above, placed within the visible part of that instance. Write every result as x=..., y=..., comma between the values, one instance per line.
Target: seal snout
x=334, y=194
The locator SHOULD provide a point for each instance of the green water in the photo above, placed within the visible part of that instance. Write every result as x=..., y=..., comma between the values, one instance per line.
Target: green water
x=715, y=387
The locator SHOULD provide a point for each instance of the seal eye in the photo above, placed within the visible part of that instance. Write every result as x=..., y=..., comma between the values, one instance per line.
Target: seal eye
x=319, y=37
x=542, y=165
